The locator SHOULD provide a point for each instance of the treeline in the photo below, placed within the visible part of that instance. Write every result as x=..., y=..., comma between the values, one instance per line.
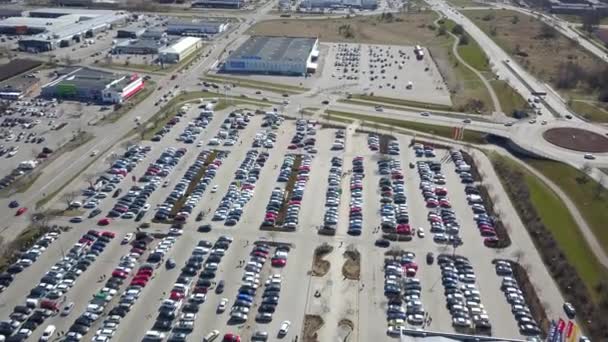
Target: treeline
x=571, y=75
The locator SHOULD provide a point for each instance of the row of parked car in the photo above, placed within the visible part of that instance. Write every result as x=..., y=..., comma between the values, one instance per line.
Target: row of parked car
x=441, y=216
x=393, y=200
x=485, y=222
x=228, y=134
x=179, y=312
x=304, y=136
x=44, y=299
x=165, y=209
x=332, y=196
x=461, y=294
x=393, y=148
x=338, y=144
x=403, y=292
x=241, y=189
x=102, y=298
x=291, y=219
x=422, y=150
x=141, y=278
x=108, y=182
x=355, y=215
x=195, y=127
x=515, y=297
x=373, y=142
x=27, y=258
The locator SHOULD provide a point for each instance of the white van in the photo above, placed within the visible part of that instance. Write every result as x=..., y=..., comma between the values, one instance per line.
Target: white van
x=48, y=333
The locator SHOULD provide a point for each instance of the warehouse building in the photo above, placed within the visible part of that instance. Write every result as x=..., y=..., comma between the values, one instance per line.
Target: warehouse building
x=51, y=28
x=9, y=12
x=153, y=33
x=83, y=84
x=275, y=55
x=196, y=27
x=139, y=47
x=133, y=32
x=218, y=3
x=179, y=50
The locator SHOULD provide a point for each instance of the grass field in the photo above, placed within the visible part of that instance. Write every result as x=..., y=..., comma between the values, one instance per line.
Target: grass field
x=510, y=100
x=474, y=56
x=443, y=131
x=466, y=3
x=404, y=29
x=403, y=102
x=590, y=111
x=537, y=47
x=558, y=220
x=590, y=199
x=261, y=85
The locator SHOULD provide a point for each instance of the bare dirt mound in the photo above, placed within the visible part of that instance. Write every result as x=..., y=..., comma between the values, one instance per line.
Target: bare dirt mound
x=352, y=265
x=320, y=267
x=312, y=324
x=577, y=139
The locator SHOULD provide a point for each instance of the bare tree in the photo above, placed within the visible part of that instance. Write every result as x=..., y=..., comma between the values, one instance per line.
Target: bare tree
x=69, y=197
x=90, y=178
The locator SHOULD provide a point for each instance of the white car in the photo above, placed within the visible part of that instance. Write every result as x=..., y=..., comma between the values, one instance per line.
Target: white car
x=211, y=336
x=284, y=328
x=420, y=232
x=214, y=189
x=127, y=238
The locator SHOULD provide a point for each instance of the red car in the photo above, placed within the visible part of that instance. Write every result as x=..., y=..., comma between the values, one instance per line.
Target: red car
x=138, y=283
x=230, y=337
x=104, y=221
x=145, y=272
x=21, y=211
x=94, y=233
x=278, y=262
x=490, y=242
x=119, y=274
x=176, y=295
x=109, y=234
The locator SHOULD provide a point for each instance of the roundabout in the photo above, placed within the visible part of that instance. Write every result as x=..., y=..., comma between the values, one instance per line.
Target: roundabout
x=577, y=139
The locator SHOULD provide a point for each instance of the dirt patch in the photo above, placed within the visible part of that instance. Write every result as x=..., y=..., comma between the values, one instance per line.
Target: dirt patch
x=312, y=324
x=352, y=265
x=320, y=267
x=577, y=139
x=364, y=29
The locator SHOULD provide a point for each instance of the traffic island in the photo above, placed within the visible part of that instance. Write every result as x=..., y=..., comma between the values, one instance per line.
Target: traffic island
x=577, y=139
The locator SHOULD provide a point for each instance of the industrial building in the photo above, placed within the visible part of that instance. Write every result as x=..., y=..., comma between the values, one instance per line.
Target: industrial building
x=337, y=4
x=51, y=28
x=218, y=3
x=275, y=55
x=130, y=32
x=9, y=12
x=179, y=50
x=579, y=7
x=83, y=84
x=139, y=46
x=182, y=27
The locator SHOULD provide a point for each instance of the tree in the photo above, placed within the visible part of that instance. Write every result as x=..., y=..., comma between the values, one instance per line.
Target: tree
x=599, y=187
x=458, y=30
x=547, y=32
x=464, y=40
x=69, y=197
x=90, y=178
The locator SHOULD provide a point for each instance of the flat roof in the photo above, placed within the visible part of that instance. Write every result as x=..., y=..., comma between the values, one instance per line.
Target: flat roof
x=142, y=43
x=181, y=45
x=269, y=48
x=87, y=78
x=71, y=10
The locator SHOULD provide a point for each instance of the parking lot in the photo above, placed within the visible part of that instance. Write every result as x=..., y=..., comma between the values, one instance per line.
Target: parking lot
x=218, y=268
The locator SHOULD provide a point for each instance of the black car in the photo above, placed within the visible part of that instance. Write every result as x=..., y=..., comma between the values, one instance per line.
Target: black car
x=190, y=308
x=220, y=287
x=204, y=228
x=430, y=258
x=13, y=204
x=162, y=325
x=382, y=243
x=81, y=329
